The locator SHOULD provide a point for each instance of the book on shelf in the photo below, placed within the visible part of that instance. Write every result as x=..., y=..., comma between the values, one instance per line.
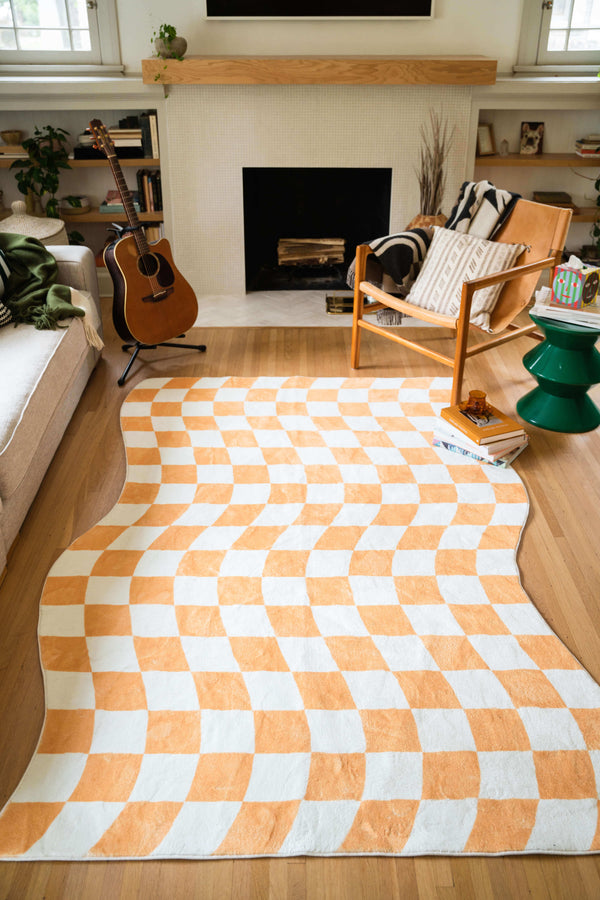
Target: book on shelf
x=501, y=462
x=115, y=132
x=113, y=203
x=89, y=152
x=149, y=184
x=154, y=232
x=443, y=431
x=129, y=142
x=554, y=198
x=12, y=150
x=149, y=129
x=482, y=429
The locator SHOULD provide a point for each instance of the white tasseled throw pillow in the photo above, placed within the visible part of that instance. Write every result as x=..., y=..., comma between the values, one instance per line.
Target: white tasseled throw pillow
x=5, y=313
x=454, y=257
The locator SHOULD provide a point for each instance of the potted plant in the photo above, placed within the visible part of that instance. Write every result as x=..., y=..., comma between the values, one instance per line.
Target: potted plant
x=168, y=44
x=39, y=174
x=437, y=141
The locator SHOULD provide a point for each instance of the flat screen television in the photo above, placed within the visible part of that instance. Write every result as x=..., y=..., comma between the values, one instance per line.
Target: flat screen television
x=318, y=9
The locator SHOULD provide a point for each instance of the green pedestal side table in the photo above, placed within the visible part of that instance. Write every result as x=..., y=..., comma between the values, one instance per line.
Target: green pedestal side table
x=565, y=365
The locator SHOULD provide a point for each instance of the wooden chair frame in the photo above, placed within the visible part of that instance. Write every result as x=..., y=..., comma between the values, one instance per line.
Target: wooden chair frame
x=544, y=228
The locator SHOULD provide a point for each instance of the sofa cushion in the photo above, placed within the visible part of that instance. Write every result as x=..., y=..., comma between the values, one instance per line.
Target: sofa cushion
x=39, y=366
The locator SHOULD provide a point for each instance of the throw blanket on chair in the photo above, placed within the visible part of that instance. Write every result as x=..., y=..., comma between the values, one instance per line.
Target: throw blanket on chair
x=481, y=209
x=398, y=255
x=31, y=293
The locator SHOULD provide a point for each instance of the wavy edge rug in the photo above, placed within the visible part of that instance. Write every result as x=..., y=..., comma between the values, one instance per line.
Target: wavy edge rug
x=365, y=780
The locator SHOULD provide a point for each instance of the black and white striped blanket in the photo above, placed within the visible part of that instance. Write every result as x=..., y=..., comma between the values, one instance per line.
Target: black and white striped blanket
x=399, y=256
x=480, y=210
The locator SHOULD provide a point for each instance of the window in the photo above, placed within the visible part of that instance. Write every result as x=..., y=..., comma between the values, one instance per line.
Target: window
x=560, y=33
x=59, y=32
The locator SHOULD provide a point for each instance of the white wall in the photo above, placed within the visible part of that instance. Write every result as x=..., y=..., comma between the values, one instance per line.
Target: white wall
x=486, y=27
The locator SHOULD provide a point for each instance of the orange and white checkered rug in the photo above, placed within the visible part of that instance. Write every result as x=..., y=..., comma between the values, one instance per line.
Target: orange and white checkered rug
x=301, y=630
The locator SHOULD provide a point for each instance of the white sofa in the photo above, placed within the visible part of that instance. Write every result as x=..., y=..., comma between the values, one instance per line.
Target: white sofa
x=43, y=374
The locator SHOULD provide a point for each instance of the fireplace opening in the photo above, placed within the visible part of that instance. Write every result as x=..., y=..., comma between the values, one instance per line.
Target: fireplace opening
x=302, y=225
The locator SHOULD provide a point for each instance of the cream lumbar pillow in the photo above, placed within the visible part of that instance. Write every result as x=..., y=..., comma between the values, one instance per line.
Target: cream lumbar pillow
x=454, y=257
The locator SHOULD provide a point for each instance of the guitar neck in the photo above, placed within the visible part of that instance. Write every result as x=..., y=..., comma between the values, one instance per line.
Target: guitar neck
x=126, y=197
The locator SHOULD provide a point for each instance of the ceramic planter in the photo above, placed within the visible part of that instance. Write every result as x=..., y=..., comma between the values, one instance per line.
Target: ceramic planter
x=175, y=48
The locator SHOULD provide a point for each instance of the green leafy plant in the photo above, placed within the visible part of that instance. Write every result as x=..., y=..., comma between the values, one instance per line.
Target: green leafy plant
x=166, y=33
x=39, y=174
x=163, y=42
x=75, y=238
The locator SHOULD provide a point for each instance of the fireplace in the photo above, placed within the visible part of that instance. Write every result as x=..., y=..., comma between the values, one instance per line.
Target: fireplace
x=302, y=225
x=217, y=131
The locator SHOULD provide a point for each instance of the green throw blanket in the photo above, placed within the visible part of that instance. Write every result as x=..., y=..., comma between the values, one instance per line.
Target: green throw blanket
x=32, y=294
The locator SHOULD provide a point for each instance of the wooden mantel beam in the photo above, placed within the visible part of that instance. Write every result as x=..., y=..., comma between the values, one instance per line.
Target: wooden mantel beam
x=376, y=70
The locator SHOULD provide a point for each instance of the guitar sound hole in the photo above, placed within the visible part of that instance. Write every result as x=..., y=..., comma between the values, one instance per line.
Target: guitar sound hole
x=154, y=265
x=148, y=264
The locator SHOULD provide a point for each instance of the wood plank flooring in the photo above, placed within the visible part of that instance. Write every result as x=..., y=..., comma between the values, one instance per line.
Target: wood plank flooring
x=557, y=558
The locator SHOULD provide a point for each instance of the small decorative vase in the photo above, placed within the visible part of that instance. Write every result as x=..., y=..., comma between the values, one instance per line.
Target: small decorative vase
x=422, y=221
x=175, y=48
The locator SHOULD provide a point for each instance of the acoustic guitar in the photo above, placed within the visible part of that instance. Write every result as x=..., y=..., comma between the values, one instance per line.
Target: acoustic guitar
x=152, y=301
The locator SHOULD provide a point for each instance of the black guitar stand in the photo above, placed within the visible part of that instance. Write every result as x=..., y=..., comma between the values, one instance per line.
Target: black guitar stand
x=139, y=346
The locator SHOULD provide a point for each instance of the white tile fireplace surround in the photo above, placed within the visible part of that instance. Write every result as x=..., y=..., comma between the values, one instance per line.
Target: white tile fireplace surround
x=214, y=131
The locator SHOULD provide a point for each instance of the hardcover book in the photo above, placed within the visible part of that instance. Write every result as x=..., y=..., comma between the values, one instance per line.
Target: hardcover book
x=482, y=429
x=502, y=462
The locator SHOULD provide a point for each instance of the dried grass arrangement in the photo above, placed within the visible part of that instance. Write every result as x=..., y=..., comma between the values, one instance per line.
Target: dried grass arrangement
x=437, y=141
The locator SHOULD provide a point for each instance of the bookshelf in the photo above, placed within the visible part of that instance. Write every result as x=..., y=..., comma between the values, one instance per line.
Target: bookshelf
x=94, y=215
x=90, y=177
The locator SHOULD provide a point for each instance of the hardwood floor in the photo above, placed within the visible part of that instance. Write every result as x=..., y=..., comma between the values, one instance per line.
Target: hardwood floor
x=557, y=558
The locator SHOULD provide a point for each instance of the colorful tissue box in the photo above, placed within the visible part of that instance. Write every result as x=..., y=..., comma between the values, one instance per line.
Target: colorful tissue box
x=575, y=288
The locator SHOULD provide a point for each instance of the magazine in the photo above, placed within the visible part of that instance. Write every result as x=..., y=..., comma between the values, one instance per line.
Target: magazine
x=502, y=462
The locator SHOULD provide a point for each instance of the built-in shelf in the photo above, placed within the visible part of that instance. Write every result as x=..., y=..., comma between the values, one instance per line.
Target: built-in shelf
x=550, y=160
x=90, y=163
x=94, y=215
x=376, y=70
x=585, y=214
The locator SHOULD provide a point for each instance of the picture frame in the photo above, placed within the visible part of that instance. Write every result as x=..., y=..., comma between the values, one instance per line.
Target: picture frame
x=486, y=146
x=531, y=142
x=287, y=10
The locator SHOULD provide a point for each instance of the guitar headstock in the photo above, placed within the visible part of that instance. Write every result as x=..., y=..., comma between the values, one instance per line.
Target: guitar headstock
x=102, y=140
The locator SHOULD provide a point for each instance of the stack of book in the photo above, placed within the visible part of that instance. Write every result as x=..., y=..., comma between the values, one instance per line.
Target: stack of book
x=13, y=150
x=555, y=198
x=588, y=316
x=588, y=146
x=496, y=439
x=135, y=137
x=113, y=203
